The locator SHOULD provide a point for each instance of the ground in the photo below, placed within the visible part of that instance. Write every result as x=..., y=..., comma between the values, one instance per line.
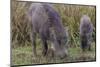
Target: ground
x=24, y=56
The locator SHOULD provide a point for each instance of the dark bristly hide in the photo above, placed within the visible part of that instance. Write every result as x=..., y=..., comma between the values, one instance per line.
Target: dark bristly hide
x=86, y=29
x=46, y=21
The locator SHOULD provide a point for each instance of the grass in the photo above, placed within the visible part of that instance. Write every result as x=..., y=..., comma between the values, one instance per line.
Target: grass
x=24, y=56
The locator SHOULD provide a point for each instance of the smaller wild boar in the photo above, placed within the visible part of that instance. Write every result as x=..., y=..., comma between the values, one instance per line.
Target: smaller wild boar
x=86, y=29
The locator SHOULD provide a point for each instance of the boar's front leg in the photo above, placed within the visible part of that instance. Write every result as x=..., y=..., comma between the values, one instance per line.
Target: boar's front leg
x=89, y=41
x=44, y=45
x=33, y=38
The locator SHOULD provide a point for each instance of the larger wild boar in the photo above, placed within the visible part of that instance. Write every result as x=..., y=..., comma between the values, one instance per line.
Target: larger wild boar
x=47, y=23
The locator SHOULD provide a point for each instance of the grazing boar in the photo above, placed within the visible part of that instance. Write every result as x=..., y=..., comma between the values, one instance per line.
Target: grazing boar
x=46, y=22
x=86, y=29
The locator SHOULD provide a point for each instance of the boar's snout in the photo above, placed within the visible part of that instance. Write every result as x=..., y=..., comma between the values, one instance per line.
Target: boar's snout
x=61, y=53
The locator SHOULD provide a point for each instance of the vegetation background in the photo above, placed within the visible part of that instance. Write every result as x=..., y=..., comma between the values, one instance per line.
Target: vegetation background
x=21, y=46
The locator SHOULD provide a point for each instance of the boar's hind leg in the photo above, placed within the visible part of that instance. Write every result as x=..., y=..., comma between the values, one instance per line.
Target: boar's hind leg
x=89, y=46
